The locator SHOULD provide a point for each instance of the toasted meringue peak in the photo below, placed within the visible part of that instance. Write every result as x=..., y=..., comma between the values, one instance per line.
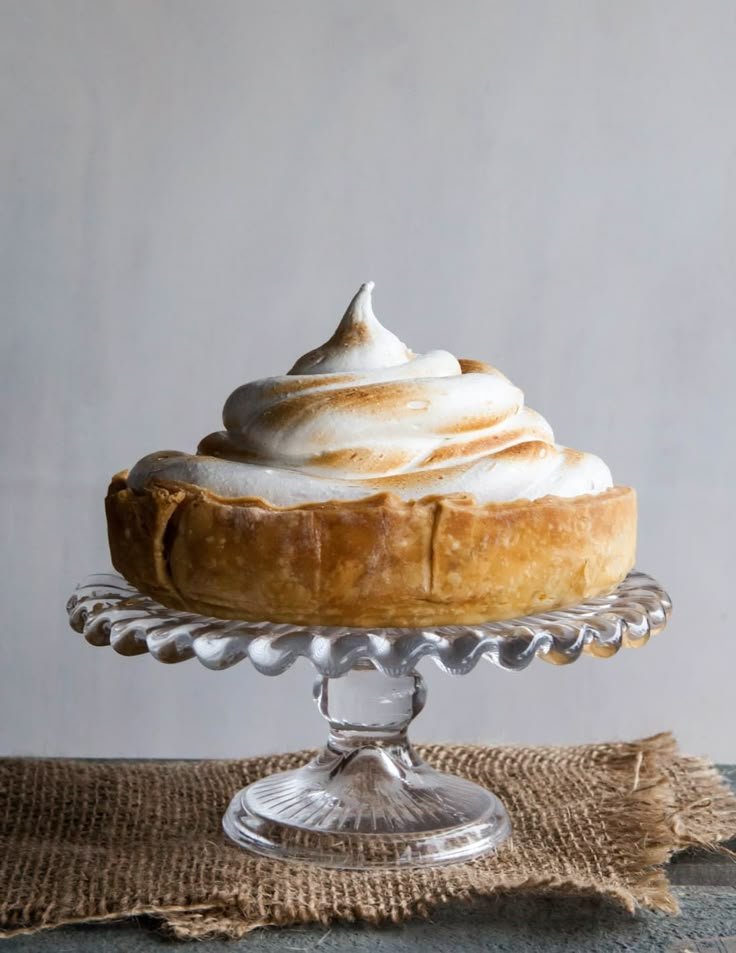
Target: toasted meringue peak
x=360, y=342
x=363, y=414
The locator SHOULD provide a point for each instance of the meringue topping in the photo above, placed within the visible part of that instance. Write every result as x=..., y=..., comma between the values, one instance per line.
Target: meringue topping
x=362, y=414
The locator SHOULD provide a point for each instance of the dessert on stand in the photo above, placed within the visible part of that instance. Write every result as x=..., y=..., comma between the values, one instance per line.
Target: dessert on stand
x=373, y=486
x=368, y=509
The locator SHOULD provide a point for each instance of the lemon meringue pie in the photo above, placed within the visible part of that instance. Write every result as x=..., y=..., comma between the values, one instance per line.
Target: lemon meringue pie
x=371, y=486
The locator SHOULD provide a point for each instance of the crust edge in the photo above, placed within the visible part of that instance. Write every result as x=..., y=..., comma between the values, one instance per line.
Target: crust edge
x=379, y=561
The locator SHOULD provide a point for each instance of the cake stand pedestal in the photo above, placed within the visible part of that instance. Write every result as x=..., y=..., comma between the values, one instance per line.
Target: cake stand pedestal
x=367, y=799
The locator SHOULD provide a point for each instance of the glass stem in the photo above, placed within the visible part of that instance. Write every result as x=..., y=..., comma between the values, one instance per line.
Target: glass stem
x=365, y=708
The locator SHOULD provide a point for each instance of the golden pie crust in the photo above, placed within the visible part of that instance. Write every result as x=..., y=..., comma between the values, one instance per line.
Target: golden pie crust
x=380, y=561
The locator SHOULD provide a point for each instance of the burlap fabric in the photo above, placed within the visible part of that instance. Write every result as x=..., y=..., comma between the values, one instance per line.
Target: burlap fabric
x=83, y=841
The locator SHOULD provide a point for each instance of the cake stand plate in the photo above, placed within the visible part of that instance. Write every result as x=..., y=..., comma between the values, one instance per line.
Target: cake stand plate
x=367, y=800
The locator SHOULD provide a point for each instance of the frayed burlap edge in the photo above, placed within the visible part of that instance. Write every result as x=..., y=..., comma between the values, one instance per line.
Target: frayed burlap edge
x=706, y=820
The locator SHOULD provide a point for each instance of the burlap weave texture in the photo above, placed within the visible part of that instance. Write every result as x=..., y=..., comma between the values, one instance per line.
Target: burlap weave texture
x=83, y=841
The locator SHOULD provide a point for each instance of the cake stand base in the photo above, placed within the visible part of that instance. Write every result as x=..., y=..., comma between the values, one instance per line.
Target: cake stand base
x=367, y=799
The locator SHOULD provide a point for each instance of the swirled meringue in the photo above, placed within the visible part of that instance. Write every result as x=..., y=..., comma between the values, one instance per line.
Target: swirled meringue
x=363, y=414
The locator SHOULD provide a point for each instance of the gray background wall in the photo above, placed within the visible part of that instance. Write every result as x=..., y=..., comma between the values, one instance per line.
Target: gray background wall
x=191, y=192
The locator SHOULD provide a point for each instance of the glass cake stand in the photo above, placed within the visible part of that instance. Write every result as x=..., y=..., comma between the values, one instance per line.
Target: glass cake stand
x=367, y=799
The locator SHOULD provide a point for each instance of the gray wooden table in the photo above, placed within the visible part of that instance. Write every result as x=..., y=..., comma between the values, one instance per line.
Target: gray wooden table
x=705, y=885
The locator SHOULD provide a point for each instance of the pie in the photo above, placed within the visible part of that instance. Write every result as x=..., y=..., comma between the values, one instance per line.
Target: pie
x=371, y=486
